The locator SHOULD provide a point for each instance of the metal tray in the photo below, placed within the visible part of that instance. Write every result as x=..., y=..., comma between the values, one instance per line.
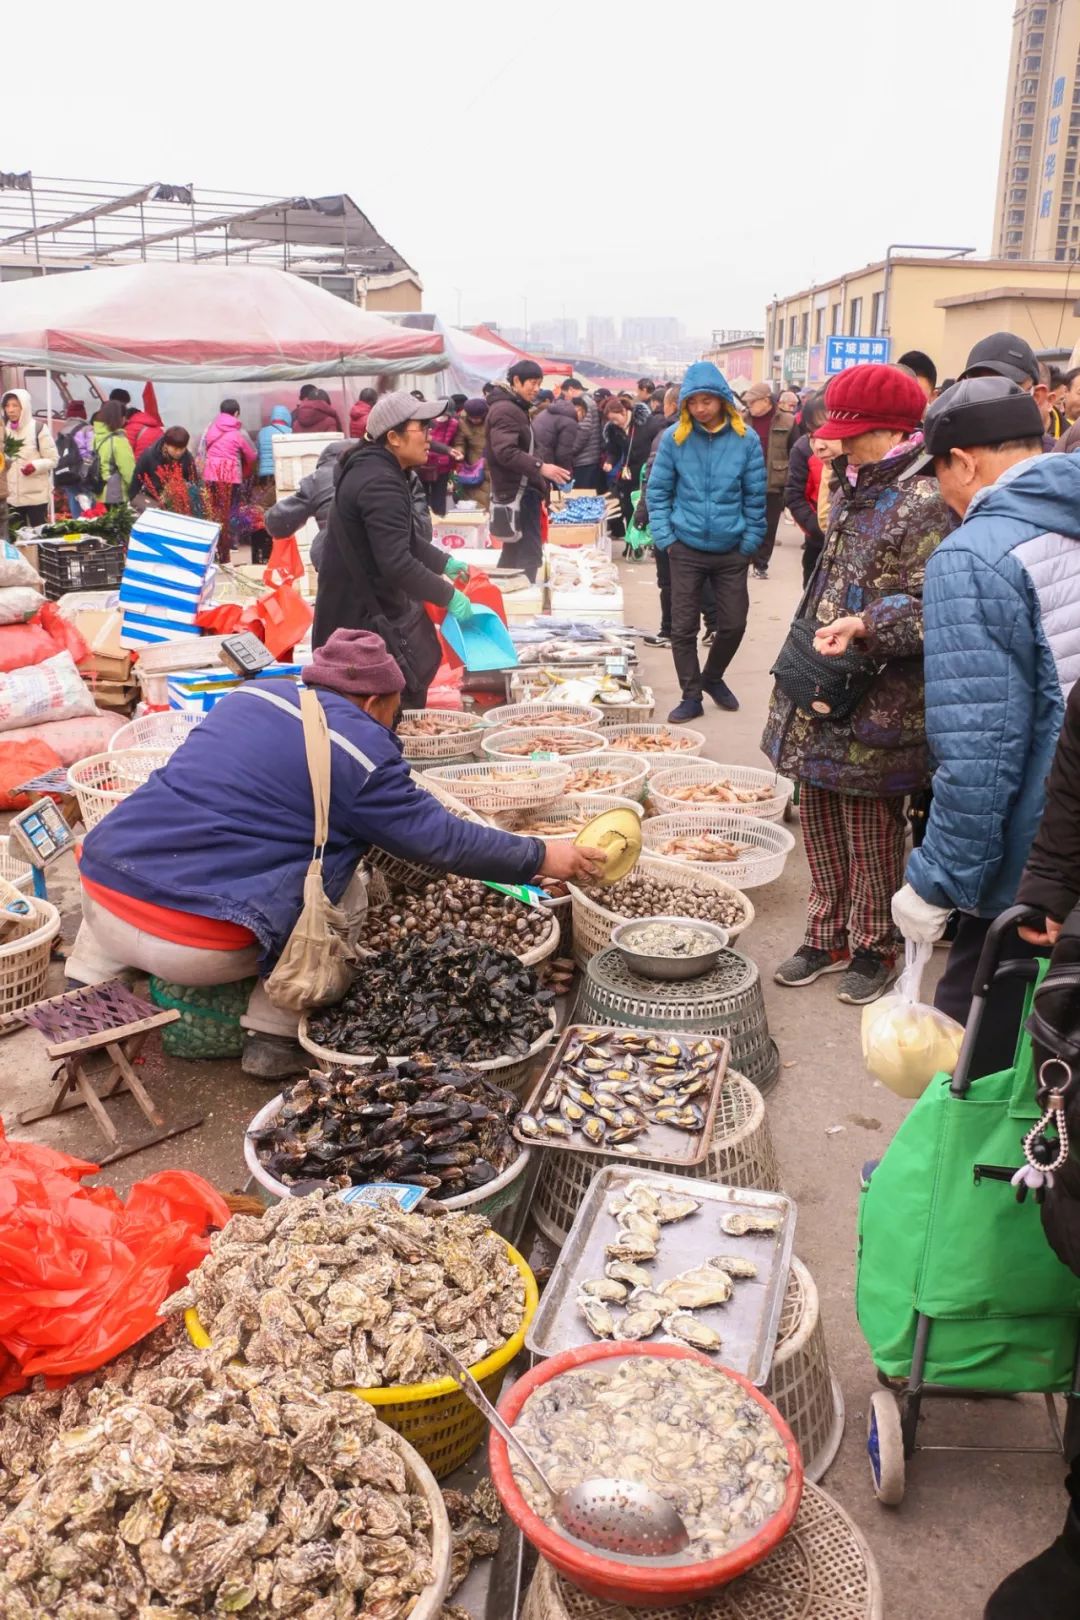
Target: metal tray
x=750, y=1320
x=663, y=1143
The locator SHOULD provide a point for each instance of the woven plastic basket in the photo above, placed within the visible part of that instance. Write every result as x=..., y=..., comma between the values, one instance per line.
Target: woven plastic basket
x=166, y=729
x=741, y=1154
x=766, y=845
x=14, y=868
x=494, y=786
x=572, y=813
x=680, y=742
x=511, y=1073
x=822, y=1570
x=538, y=712
x=593, y=922
x=209, y=1022
x=460, y=738
x=492, y=1200
x=711, y=770
x=102, y=781
x=801, y=1383
x=631, y=769
x=436, y=1417
x=728, y=1000
x=567, y=741
x=24, y=958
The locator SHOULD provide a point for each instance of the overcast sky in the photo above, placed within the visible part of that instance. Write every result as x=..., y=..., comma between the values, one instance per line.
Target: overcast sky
x=641, y=158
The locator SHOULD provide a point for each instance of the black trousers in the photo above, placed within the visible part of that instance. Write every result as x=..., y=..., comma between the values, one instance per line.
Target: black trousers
x=436, y=494
x=663, y=580
x=774, y=509
x=587, y=475
x=1001, y=1015
x=690, y=569
x=31, y=516
x=527, y=553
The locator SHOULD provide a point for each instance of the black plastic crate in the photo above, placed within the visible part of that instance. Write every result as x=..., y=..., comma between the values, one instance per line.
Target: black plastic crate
x=79, y=565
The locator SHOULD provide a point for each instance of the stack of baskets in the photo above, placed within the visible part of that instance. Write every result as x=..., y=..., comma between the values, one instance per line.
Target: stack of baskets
x=537, y=711
x=741, y=1154
x=705, y=772
x=102, y=781
x=24, y=958
x=565, y=741
x=457, y=742
x=594, y=922
x=164, y=728
x=801, y=1383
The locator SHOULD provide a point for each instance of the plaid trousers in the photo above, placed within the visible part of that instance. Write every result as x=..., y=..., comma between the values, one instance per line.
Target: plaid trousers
x=855, y=847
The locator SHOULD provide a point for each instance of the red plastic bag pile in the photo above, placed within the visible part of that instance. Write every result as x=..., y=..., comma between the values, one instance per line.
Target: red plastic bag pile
x=281, y=618
x=82, y=1273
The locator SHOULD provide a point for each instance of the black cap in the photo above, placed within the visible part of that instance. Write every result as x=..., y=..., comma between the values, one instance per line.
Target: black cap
x=980, y=410
x=1003, y=354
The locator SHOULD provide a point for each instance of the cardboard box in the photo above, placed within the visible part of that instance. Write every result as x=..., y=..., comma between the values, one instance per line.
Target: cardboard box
x=574, y=534
x=100, y=629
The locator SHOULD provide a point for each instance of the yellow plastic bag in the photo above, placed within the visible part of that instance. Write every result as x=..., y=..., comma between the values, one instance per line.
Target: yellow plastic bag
x=904, y=1042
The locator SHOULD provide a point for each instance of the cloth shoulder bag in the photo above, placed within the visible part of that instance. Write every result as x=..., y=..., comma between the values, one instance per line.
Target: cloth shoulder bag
x=315, y=968
x=826, y=688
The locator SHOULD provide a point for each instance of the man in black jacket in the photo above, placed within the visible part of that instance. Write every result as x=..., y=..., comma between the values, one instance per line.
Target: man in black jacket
x=519, y=477
x=171, y=450
x=555, y=430
x=377, y=570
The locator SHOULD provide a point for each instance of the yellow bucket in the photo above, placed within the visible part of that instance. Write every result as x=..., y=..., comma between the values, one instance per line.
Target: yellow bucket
x=436, y=1417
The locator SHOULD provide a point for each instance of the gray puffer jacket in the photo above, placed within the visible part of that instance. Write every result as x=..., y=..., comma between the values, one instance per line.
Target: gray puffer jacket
x=589, y=435
x=311, y=499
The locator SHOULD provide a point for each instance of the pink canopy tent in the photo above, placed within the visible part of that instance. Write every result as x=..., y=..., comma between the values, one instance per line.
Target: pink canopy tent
x=551, y=368
x=202, y=323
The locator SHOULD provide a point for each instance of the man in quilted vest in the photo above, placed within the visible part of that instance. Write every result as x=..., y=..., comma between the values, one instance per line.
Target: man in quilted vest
x=707, y=512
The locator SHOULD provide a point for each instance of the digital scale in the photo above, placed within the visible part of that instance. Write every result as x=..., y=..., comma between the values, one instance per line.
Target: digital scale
x=41, y=834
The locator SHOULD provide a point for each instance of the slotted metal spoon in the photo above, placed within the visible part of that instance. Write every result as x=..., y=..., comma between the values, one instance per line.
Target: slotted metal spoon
x=616, y=1518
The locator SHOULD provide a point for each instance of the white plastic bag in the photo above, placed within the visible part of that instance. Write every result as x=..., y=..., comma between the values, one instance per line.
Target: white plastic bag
x=18, y=603
x=904, y=1042
x=15, y=568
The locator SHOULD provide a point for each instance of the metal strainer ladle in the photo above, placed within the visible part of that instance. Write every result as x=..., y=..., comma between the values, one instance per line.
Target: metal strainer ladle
x=617, y=1518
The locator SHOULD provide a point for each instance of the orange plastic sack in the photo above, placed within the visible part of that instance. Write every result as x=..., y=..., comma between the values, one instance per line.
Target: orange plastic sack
x=282, y=619
x=223, y=620
x=82, y=1273
x=285, y=563
x=19, y=761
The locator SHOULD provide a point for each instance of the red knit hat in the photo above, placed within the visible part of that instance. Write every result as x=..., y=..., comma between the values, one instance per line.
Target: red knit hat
x=867, y=399
x=355, y=663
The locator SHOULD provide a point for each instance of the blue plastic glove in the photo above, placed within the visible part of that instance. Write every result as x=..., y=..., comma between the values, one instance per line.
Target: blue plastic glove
x=460, y=607
x=455, y=569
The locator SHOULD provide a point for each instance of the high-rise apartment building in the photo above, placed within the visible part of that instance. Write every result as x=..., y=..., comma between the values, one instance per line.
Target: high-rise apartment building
x=1038, y=207
x=600, y=333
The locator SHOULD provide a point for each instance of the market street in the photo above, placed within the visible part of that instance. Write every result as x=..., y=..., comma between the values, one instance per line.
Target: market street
x=966, y=1519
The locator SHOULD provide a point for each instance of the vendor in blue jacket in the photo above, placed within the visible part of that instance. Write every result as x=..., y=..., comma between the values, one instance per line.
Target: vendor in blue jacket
x=198, y=877
x=707, y=512
x=1002, y=650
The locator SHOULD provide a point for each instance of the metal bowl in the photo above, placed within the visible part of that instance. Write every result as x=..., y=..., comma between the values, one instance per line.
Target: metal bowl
x=669, y=967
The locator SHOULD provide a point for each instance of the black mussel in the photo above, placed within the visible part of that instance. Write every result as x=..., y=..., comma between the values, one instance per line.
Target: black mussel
x=375, y=1110
x=479, y=1173
x=446, y=1136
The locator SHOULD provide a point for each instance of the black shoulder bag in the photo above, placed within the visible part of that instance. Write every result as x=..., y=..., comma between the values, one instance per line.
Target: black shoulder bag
x=826, y=688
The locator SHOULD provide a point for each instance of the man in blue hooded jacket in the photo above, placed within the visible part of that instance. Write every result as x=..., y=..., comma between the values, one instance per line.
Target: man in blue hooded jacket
x=1002, y=650
x=707, y=512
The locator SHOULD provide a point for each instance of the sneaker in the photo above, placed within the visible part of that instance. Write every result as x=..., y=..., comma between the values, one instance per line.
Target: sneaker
x=867, y=978
x=659, y=640
x=808, y=964
x=721, y=694
x=760, y=573
x=1045, y=1588
x=273, y=1057
x=688, y=709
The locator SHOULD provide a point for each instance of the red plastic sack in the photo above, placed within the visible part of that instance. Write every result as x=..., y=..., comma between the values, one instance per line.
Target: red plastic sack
x=223, y=620
x=41, y=637
x=19, y=761
x=82, y=1273
x=282, y=618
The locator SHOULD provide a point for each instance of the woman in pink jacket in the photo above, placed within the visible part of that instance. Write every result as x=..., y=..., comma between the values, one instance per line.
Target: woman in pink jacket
x=227, y=459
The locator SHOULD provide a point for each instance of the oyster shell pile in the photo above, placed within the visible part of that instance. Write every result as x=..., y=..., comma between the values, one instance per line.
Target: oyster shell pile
x=219, y=1489
x=474, y=1530
x=681, y=1428
x=345, y=1291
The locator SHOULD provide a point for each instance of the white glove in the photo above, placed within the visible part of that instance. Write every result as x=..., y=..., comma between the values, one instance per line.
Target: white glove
x=916, y=918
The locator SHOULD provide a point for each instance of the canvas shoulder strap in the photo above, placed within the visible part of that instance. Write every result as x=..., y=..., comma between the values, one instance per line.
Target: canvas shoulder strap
x=317, y=749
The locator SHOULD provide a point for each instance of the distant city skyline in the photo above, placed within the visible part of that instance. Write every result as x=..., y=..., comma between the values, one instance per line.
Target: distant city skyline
x=624, y=340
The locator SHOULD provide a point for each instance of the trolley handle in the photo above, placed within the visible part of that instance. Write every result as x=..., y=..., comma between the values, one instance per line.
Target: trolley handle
x=990, y=969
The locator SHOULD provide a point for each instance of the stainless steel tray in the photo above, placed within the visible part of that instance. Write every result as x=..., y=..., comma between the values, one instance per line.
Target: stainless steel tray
x=663, y=1143
x=748, y=1323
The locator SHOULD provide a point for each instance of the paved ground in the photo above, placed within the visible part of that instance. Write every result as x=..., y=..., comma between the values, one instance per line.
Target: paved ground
x=967, y=1519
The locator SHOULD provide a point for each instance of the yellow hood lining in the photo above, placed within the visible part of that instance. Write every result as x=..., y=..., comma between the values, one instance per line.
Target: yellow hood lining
x=686, y=421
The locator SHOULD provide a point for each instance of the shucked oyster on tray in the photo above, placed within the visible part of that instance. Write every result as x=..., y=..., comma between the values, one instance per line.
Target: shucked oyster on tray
x=346, y=1292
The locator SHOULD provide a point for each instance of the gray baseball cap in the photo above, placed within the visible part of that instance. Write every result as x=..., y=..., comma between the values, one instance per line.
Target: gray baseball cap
x=394, y=410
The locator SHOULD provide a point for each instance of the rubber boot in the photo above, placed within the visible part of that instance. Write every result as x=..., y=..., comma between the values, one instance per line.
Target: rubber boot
x=1046, y=1587
x=273, y=1057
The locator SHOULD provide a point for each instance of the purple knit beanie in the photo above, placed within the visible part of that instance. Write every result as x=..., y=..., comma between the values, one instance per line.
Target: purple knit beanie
x=356, y=664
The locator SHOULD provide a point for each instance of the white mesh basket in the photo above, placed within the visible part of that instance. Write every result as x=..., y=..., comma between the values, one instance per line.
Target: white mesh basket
x=500, y=785
x=538, y=712
x=15, y=869
x=593, y=922
x=571, y=814
x=459, y=737
x=165, y=729
x=655, y=741
x=562, y=740
x=631, y=771
x=765, y=844
x=706, y=771
x=102, y=781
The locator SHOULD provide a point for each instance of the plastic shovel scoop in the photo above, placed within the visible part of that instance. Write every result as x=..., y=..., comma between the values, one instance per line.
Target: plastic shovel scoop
x=483, y=643
x=615, y=1517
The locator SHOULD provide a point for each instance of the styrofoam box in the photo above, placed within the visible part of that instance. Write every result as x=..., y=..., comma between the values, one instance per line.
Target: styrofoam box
x=458, y=531
x=604, y=603
x=295, y=455
x=527, y=604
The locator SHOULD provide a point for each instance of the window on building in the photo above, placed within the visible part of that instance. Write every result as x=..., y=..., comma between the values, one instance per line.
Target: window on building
x=1013, y=238
x=1032, y=64
x=1022, y=152
x=819, y=324
x=834, y=322
x=791, y=331
x=1030, y=87
x=877, y=309
x=804, y=335
x=1035, y=42
x=1038, y=16
x=1027, y=109
x=854, y=324
x=1061, y=253
x=1020, y=172
x=1026, y=131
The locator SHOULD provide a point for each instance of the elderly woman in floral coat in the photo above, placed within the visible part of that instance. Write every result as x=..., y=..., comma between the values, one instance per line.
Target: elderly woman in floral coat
x=854, y=774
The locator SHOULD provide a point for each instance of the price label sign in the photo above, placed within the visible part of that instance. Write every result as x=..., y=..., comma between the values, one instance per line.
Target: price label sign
x=374, y=1192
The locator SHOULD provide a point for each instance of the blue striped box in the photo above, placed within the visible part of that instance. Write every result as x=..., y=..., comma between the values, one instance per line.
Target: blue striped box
x=168, y=559
x=197, y=690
